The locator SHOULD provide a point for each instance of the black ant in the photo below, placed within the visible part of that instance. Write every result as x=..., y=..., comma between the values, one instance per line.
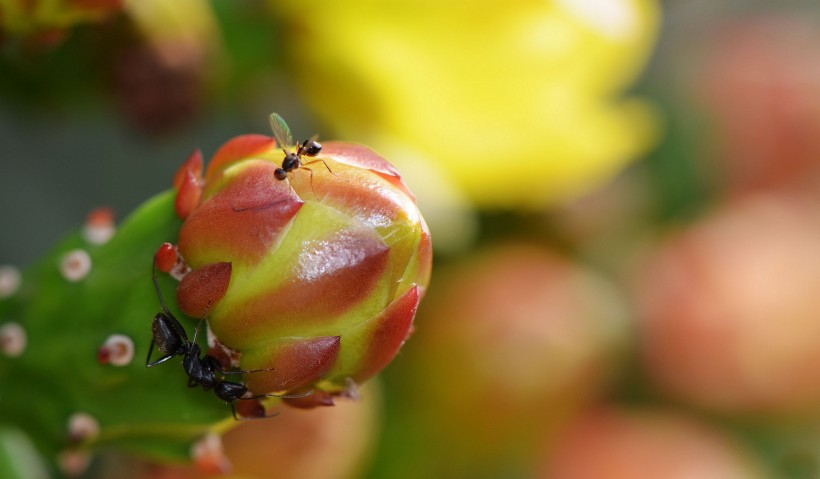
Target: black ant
x=172, y=340
x=293, y=160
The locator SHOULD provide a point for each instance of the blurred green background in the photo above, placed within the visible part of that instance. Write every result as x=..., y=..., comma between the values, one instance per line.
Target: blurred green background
x=621, y=194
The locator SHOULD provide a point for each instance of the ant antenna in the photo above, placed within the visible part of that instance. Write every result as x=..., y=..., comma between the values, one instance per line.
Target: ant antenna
x=159, y=291
x=201, y=320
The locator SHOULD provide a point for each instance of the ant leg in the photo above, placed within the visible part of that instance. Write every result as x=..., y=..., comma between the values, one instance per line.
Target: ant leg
x=214, y=363
x=159, y=292
x=149, y=364
x=201, y=320
x=198, y=327
x=291, y=396
x=156, y=286
x=309, y=170
x=167, y=313
x=281, y=396
x=159, y=361
x=243, y=371
x=304, y=165
x=323, y=162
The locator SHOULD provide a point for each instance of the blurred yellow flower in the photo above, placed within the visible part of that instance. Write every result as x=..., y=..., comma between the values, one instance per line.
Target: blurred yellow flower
x=516, y=103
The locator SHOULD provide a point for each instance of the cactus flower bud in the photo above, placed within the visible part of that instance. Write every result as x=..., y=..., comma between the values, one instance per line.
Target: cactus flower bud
x=314, y=277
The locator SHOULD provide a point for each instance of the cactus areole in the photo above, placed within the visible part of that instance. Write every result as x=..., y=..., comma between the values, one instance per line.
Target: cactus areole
x=313, y=277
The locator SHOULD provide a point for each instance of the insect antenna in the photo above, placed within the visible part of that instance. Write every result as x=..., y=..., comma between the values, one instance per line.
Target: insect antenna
x=159, y=291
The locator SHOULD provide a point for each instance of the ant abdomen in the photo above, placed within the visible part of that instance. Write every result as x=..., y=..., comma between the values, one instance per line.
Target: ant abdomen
x=167, y=340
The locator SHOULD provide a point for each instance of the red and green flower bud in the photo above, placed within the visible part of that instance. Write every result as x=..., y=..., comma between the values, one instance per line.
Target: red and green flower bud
x=316, y=277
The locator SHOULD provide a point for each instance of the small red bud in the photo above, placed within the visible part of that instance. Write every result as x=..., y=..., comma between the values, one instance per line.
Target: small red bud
x=166, y=257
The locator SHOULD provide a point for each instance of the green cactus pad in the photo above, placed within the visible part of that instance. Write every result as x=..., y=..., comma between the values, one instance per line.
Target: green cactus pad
x=147, y=411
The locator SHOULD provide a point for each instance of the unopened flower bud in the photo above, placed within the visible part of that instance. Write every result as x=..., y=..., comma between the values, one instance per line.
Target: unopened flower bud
x=315, y=277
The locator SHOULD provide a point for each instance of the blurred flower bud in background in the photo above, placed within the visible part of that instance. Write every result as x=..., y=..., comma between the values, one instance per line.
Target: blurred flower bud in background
x=515, y=341
x=623, y=444
x=166, y=61
x=730, y=308
x=760, y=83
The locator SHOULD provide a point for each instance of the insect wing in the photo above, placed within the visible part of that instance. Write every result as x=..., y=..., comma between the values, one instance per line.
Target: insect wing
x=281, y=131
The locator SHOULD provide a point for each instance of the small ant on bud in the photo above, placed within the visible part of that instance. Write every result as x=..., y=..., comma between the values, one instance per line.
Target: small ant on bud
x=293, y=159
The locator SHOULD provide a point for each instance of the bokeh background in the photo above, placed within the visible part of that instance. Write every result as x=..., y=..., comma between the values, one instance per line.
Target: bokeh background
x=622, y=196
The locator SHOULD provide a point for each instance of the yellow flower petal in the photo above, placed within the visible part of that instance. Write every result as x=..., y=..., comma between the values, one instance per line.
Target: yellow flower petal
x=517, y=104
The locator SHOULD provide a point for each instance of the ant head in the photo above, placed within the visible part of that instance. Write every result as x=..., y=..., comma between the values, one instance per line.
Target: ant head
x=311, y=147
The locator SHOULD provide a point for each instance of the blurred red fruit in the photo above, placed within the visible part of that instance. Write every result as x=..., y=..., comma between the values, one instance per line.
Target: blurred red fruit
x=730, y=308
x=615, y=444
x=514, y=343
x=761, y=81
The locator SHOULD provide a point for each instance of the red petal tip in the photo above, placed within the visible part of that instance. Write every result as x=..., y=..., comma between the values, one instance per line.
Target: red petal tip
x=202, y=288
x=193, y=165
x=188, y=196
x=295, y=364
